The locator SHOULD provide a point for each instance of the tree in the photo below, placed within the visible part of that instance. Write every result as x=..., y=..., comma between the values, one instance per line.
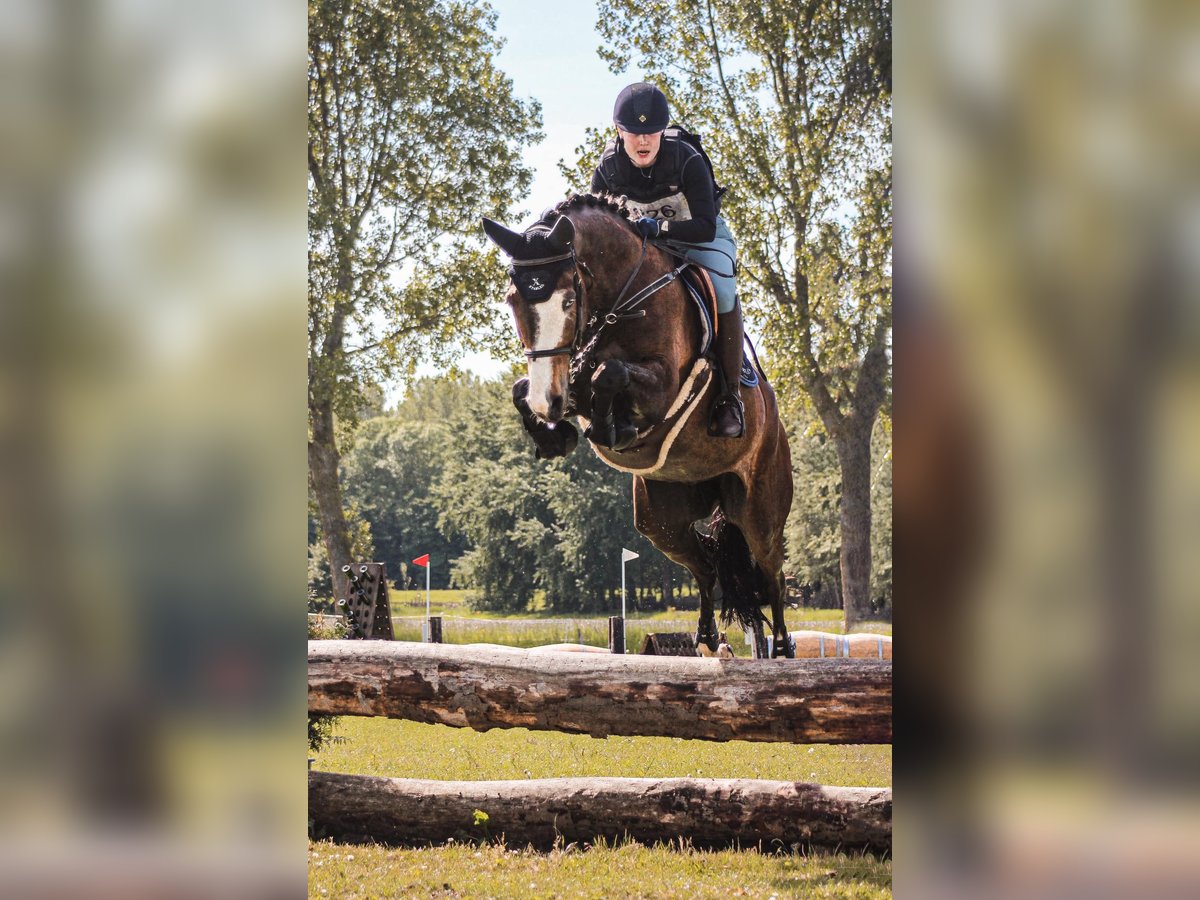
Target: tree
x=592, y=505
x=794, y=100
x=413, y=134
x=389, y=473
x=491, y=496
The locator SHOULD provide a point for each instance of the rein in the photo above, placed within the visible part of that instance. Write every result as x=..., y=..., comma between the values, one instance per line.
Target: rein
x=621, y=309
x=587, y=336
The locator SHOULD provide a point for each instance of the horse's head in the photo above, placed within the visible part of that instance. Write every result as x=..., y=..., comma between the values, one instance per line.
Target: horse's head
x=545, y=294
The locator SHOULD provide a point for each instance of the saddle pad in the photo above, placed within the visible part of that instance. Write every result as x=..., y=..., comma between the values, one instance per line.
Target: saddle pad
x=707, y=325
x=749, y=373
x=749, y=376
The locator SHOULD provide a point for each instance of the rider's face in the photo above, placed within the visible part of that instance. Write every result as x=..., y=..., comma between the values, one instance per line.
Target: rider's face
x=641, y=148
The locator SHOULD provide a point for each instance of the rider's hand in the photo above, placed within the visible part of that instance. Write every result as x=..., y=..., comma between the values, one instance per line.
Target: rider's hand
x=647, y=226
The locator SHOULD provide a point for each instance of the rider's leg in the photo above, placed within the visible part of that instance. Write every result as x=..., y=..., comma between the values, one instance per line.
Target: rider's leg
x=727, y=419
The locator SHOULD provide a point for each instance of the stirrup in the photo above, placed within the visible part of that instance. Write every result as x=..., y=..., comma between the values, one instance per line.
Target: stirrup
x=729, y=398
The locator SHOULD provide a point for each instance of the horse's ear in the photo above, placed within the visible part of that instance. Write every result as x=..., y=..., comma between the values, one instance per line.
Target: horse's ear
x=561, y=234
x=508, y=241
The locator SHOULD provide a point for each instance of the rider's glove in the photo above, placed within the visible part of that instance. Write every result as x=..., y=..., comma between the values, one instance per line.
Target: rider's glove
x=647, y=226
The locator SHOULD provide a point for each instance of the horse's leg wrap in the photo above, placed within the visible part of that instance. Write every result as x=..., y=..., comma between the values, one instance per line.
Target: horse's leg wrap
x=706, y=631
x=550, y=440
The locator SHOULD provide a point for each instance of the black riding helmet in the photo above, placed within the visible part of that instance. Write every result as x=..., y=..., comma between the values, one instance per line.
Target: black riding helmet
x=641, y=109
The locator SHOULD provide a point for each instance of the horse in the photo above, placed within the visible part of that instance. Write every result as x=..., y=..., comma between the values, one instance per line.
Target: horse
x=613, y=339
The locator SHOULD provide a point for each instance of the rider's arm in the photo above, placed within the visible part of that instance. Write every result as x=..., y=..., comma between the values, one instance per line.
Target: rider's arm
x=698, y=188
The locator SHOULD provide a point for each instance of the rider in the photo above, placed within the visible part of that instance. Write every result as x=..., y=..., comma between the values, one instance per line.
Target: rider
x=669, y=188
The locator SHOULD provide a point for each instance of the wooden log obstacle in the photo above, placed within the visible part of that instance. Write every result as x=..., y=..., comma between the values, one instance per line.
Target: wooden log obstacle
x=828, y=700
x=711, y=812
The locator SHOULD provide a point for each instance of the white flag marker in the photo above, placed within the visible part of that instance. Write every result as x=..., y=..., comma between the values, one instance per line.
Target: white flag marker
x=626, y=555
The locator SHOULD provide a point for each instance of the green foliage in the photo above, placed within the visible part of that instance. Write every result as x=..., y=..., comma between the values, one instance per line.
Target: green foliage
x=592, y=509
x=362, y=549
x=389, y=473
x=413, y=135
x=812, y=528
x=881, y=523
x=451, y=472
x=489, y=496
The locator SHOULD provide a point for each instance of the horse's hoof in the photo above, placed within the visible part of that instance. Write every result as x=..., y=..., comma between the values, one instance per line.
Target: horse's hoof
x=520, y=394
x=785, y=648
x=559, y=440
x=708, y=640
x=624, y=437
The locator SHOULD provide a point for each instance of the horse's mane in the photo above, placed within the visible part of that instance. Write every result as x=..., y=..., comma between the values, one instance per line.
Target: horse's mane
x=615, y=206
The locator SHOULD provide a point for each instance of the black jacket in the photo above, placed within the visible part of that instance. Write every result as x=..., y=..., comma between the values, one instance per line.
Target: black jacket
x=677, y=189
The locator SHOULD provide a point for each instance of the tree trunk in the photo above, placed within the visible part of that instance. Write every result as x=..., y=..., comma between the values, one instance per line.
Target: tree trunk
x=709, y=812
x=323, y=462
x=667, y=587
x=824, y=701
x=854, y=457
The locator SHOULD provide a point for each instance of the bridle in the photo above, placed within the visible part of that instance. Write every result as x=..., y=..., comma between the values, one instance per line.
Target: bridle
x=578, y=266
x=587, y=335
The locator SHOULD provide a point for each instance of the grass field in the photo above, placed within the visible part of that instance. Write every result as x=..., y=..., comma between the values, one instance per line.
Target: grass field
x=370, y=746
x=460, y=625
x=599, y=873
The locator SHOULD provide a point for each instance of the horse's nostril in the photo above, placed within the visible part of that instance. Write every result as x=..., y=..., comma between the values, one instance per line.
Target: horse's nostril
x=556, y=409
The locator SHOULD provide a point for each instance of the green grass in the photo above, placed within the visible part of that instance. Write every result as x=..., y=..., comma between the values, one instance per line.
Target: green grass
x=370, y=746
x=539, y=632
x=462, y=625
x=600, y=872
x=399, y=749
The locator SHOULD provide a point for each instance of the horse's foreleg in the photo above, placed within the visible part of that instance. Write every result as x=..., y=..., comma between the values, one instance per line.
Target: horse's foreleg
x=612, y=425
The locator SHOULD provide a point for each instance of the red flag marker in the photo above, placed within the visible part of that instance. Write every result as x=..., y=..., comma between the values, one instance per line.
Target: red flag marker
x=423, y=561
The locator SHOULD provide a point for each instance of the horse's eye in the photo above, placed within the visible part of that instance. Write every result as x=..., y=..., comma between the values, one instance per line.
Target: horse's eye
x=568, y=301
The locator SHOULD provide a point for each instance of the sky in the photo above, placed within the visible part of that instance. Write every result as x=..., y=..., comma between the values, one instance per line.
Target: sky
x=550, y=55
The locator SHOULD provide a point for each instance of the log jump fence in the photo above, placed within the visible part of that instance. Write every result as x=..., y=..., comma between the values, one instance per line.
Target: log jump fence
x=832, y=700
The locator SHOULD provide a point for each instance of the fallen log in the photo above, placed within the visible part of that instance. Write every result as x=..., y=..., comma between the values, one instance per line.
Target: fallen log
x=709, y=812
x=830, y=701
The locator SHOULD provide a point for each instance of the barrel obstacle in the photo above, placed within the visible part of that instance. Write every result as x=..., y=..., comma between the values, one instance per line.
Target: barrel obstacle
x=799, y=701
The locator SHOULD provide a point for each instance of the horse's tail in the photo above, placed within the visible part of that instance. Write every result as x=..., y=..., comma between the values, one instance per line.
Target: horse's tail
x=743, y=586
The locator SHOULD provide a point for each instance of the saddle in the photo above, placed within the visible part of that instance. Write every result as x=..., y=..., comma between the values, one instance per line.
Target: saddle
x=699, y=286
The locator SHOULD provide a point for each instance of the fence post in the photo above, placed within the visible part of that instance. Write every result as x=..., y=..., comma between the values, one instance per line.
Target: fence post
x=435, y=629
x=616, y=634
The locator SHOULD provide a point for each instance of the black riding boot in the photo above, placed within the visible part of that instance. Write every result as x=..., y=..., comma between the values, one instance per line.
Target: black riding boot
x=727, y=419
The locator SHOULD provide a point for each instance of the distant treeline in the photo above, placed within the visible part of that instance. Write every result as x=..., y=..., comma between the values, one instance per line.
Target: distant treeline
x=451, y=473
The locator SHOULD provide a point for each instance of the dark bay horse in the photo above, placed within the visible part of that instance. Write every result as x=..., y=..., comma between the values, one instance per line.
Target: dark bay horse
x=613, y=339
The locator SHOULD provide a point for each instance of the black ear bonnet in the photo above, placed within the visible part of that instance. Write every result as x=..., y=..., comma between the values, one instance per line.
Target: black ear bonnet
x=539, y=256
